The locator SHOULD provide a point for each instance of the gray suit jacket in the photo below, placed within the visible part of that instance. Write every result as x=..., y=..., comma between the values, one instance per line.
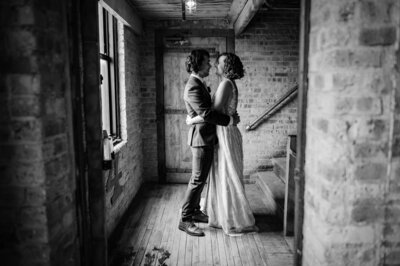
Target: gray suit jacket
x=198, y=102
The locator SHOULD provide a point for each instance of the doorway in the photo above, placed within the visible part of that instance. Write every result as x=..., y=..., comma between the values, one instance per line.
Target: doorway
x=172, y=48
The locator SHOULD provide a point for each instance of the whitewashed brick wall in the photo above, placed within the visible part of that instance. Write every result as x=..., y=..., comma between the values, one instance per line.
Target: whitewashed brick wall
x=352, y=203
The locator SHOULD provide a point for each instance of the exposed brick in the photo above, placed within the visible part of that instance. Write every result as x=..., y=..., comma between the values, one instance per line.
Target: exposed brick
x=55, y=147
x=54, y=126
x=321, y=124
x=23, y=84
x=19, y=42
x=377, y=12
x=396, y=146
x=57, y=166
x=367, y=210
x=392, y=232
x=36, y=252
x=25, y=106
x=335, y=173
x=28, y=130
x=346, y=12
x=34, y=84
x=369, y=105
x=393, y=211
x=35, y=196
x=319, y=81
x=18, y=64
x=56, y=209
x=380, y=36
x=334, y=37
x=354, y=53
x=369, y=129
x=369, y=150
x=344, y=105
x=352, y=58
x=55, y=106
x=370, y=172
x=20, y=153
x=31, y=173
x=35, y=215
x=392, y=256
x=125, y=178
x=32, y=235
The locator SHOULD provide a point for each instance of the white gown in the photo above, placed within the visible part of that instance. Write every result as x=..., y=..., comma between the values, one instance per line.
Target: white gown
x=225, y=203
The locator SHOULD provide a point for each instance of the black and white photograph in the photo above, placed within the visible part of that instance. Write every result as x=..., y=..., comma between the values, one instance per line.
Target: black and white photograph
x=200, y=133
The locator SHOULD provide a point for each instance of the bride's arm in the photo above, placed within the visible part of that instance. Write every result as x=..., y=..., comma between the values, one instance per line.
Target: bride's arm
x=222, y=95
x=220, y=98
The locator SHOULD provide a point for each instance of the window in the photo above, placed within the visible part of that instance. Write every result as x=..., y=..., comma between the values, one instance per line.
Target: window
x=108, y=39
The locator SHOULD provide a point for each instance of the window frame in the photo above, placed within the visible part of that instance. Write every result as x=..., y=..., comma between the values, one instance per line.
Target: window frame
x=110, y=84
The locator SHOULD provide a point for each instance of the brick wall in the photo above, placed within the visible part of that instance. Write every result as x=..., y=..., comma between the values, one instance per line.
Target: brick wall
x=269, y=50
x=352, y=198
x=126, y=177
x=37, y=186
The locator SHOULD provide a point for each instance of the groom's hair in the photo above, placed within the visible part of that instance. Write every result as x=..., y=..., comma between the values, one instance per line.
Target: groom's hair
x=195, y=60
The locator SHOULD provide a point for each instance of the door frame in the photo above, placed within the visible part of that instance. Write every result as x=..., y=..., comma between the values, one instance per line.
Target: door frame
x=159, y=56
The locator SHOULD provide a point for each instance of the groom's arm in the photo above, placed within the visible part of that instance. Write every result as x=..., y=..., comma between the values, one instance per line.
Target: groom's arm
x=195, y=98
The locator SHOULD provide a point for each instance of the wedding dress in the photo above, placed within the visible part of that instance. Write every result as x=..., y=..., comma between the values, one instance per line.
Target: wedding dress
x=225, y=203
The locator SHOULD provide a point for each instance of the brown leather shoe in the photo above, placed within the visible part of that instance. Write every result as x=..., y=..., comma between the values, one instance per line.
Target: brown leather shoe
x=200, y=217
x=190, y=228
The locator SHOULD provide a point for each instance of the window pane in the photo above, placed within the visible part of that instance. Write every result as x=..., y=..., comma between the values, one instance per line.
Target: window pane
x=105, y=96
x=105, y=32
x=116, y=108
x=111, y=53
x=101, y=29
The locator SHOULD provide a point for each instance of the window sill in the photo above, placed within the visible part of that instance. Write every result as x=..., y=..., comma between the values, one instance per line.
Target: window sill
x=118, y=146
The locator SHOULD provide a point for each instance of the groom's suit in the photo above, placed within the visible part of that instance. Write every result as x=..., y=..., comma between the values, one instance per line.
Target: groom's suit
x=202, y=138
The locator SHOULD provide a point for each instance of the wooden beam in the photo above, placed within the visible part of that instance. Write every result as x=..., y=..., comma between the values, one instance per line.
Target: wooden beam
x=183, y=10
x=246, y=14
x=125, y=12
x=234, y=12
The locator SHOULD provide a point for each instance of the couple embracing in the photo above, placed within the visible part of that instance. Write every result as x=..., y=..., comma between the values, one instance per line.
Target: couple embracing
x=216, y=145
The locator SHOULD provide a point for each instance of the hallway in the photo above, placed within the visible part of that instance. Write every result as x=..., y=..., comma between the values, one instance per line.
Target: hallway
x=153, y=220
x=93, y=125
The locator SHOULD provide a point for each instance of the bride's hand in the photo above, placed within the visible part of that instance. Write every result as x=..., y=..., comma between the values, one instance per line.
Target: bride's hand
x=189, y=120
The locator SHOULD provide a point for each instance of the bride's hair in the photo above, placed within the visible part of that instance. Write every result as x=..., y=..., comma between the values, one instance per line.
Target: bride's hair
x=195, y=60
x=233, y=68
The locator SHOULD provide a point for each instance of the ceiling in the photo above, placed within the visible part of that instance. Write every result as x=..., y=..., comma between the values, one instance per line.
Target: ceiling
x=172, y=9
x=206, y=9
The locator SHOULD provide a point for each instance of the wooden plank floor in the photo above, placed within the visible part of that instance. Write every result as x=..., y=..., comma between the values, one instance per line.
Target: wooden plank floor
x=151, y=233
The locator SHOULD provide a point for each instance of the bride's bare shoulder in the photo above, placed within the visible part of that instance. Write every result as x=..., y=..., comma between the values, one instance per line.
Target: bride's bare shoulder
x=225, y=85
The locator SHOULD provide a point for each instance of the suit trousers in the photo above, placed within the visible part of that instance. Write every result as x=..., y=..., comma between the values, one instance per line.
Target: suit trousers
x=201, y=164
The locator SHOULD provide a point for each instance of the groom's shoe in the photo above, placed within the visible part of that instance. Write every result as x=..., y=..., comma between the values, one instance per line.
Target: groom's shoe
x=200, y=217
x=190, y=228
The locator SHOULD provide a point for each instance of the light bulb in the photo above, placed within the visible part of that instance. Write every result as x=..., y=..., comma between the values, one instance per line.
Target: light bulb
x=190, y=5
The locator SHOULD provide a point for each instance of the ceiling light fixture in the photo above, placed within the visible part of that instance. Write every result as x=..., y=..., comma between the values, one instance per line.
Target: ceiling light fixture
x=190, y=6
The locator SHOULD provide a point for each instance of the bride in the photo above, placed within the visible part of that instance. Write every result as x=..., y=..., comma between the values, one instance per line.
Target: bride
x=226, y=203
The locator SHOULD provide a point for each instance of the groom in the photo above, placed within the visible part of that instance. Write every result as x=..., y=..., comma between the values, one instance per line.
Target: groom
x=202, y=138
